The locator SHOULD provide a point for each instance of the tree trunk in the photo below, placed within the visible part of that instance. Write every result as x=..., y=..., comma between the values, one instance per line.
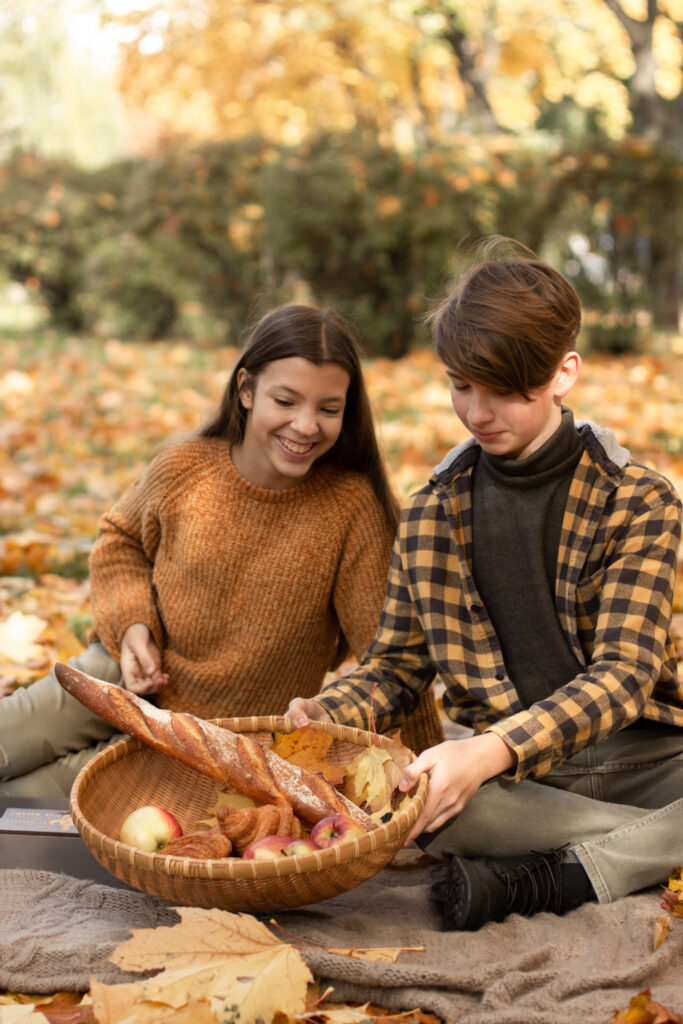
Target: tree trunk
x=472, y=74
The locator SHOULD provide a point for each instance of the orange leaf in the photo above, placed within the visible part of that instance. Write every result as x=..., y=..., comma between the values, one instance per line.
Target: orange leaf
x=662, y=929
x=308, y=748
x=644, y=1010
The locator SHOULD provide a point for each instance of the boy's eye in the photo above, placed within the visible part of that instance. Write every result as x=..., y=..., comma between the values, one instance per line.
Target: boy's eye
x=458, y=386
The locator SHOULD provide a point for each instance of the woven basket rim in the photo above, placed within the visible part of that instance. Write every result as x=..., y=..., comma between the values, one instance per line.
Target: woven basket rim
x=237, y=868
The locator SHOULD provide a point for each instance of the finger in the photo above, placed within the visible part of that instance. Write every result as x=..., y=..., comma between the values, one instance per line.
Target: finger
x=424, y=763
x=297, y=713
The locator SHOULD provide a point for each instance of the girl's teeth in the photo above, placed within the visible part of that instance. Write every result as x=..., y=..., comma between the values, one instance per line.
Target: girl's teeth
x=295, y=449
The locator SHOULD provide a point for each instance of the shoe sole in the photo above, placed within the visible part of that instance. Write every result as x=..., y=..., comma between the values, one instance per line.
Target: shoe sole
x=469, y=906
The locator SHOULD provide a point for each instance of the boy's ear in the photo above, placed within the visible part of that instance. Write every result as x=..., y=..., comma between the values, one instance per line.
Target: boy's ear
x=567, y=373
x=244, y=390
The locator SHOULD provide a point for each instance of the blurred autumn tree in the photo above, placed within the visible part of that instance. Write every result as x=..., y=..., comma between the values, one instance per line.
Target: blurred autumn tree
x=343, y=150
x=414, y=68
x=416, y=71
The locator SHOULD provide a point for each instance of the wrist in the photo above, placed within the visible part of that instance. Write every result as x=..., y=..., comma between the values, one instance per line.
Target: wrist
x=500, y=757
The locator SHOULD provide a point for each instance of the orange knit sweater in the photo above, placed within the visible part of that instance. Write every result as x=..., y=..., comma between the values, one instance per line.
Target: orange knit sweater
x=245, y=590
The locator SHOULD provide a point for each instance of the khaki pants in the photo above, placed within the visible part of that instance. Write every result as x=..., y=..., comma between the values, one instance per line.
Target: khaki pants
x=47, y=736
x=617, y=805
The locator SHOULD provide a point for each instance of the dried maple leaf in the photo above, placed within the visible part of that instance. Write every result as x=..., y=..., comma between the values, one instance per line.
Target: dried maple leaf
x=662, y=929
x=308, y=748
x=672, y=897
x=214, y=965
x=368, y=780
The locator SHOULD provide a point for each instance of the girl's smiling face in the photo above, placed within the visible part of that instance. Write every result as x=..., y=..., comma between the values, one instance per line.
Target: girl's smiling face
x=295, y=411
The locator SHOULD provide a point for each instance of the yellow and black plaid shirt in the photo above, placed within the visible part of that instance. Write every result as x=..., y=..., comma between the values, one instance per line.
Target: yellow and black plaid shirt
x=613, y=593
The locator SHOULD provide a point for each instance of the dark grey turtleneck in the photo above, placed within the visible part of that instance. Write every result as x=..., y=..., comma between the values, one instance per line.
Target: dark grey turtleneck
x=518, y=506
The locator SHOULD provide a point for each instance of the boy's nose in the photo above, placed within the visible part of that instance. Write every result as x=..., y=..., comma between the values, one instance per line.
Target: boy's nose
x=480, y=410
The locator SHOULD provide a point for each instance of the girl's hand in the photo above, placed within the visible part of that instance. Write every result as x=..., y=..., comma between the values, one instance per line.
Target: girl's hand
x=457, y=768
x=141, y=661
x=303, y=711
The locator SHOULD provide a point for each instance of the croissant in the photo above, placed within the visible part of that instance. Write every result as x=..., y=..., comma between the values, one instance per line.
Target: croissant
x=235, y=760
x=244, y=825
x=211, y=844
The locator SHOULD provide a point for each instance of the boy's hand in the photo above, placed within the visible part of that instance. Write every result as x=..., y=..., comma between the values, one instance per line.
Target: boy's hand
x=457, y=768
x=141, y=661
x=303, y=711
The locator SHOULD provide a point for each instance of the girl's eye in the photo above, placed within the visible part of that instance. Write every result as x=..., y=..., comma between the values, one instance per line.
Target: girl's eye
x=282, y=401
x=332, y=412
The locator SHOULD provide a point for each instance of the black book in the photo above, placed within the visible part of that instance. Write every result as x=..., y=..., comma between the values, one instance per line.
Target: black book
x=39, y=835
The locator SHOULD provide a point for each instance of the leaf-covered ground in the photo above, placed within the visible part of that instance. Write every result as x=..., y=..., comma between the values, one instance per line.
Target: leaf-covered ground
x=81, y=417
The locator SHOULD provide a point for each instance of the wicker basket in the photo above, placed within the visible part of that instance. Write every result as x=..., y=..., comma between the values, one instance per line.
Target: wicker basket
x=129, y=774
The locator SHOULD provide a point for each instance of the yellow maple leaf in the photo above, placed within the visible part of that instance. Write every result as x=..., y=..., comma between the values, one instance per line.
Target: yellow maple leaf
x=232, y=799
x=367, y=783
x=218, y=963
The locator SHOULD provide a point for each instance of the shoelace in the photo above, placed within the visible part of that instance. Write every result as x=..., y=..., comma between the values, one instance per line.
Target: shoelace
x=534, y=885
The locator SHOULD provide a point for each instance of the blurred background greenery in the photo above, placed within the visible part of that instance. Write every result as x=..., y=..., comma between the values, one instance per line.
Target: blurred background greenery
x=171, y=169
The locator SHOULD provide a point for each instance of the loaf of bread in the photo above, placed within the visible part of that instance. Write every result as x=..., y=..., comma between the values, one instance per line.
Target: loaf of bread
x=234, y=760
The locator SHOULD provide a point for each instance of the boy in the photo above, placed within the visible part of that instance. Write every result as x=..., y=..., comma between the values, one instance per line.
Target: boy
x=534, y=575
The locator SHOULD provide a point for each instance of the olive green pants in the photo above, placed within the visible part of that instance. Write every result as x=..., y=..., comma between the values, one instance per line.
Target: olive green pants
x=618, y=806
x=47, y=736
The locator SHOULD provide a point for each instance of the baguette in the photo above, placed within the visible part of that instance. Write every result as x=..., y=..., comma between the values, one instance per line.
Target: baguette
x=233, y=759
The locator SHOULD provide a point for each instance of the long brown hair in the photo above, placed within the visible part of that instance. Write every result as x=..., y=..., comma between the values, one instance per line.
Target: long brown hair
x=319, y=335
x=509, y=321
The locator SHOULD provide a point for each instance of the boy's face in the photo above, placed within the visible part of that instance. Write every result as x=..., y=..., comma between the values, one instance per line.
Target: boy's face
x=507, y=423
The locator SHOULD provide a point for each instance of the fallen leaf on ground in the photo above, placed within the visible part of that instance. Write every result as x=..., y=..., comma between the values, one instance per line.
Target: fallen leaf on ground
x=20, y=1013
x=662, y=929
x=18, y=634
x=387, y=954
x=214, y=965
x=672, y=897
x=644, y=1010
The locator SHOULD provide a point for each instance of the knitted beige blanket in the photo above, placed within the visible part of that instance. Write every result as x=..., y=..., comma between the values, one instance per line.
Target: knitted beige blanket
x=56, y=931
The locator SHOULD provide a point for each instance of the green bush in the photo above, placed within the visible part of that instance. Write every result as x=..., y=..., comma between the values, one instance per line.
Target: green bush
x=51, y=214
x=130, y=287
x=232, y=228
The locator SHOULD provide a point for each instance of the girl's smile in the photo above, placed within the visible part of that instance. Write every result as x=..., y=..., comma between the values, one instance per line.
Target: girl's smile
x=295, y=411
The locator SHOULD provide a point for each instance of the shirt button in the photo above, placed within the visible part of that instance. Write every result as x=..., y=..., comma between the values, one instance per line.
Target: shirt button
x=500, y=677
x=475, y=609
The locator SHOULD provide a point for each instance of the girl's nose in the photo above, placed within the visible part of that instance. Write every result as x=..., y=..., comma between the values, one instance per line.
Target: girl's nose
x=305, y=423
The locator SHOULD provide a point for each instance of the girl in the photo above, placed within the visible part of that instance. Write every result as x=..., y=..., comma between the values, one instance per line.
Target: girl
x=241, y=565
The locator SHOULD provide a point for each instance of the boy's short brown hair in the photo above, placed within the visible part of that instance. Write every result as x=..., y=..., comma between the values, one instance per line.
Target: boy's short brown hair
x=509, y=321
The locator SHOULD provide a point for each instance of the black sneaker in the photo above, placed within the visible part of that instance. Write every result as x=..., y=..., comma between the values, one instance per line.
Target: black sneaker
x=472, y=892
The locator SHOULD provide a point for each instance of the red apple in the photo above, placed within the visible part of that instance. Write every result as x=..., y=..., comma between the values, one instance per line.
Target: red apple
x=298, y=847
x=335, y=829
x=268, y=848
x=150, y=828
